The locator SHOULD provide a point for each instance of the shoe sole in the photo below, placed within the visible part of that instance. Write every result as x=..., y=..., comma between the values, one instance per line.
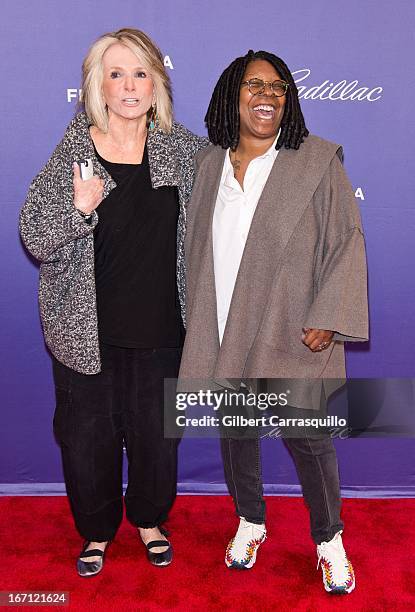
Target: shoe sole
x=238, y=566
x=90, y=575
x=340, y=590
x=164, y=564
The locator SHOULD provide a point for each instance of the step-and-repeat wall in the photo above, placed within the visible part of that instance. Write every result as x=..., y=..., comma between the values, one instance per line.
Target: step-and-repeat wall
x=352, y=62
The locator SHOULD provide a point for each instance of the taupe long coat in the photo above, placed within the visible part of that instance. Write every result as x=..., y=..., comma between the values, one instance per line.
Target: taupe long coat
x=304, y=265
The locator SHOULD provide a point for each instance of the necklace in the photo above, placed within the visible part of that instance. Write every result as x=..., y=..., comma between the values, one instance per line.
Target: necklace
x=236, y=163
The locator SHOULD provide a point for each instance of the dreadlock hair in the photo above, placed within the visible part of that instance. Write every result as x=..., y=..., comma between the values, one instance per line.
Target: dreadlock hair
x=222, y=117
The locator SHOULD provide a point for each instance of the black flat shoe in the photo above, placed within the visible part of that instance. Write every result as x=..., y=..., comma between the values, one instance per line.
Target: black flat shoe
x=90, y=568
x=161, y=558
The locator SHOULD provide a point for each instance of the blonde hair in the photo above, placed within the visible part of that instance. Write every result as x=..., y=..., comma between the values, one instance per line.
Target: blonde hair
x=151, y=58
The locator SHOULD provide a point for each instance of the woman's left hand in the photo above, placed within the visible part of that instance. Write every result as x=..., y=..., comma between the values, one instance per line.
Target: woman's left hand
x=317, y=340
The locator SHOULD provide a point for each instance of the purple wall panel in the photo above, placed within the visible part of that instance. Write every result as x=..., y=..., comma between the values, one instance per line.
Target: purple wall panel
x=42, y=46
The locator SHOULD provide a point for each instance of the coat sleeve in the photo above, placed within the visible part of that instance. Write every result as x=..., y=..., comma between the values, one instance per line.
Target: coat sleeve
x=340, y=298
x=46, y=222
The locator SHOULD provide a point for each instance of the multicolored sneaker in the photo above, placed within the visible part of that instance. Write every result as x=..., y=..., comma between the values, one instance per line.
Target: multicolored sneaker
x=338, y=574
x=242, y=549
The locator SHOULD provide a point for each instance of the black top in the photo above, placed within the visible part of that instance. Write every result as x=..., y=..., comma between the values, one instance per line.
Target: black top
x=135, y=261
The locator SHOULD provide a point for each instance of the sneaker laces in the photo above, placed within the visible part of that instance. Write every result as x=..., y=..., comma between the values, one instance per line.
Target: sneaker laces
x=333, y=552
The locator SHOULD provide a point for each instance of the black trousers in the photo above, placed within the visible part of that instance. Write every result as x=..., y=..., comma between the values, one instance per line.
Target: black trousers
x=95, y=416
x=315, y=460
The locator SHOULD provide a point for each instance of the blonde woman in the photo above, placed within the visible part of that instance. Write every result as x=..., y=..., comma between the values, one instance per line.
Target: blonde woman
x=111, y=290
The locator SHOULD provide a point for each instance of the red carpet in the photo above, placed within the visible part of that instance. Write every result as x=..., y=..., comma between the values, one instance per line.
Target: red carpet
x=39, y=548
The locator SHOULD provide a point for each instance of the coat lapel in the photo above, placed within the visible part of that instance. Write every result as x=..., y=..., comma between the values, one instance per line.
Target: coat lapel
x=80, y=140
x=202, y=343
x=164, y=165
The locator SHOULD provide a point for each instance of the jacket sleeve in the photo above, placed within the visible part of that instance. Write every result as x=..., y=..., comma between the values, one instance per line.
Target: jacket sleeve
x=46, y=221
x=340, y=301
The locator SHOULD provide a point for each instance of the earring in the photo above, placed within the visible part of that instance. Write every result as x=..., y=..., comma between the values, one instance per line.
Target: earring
x=153, y=118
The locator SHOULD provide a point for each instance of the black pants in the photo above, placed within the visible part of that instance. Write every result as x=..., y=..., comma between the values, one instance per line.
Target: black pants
x=316, y=463
x=96, y=415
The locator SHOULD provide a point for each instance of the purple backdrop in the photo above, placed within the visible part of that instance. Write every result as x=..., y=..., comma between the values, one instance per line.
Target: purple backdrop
x=365, y=47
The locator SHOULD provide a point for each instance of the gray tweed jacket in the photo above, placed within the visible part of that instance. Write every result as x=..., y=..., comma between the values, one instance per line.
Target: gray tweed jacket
x=55, y=234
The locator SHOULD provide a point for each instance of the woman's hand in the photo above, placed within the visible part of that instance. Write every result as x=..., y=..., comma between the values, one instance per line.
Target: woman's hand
x=87, y=194
x=317, y=339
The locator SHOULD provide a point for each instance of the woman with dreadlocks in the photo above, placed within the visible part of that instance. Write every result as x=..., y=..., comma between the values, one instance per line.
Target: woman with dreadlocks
x=276, y=283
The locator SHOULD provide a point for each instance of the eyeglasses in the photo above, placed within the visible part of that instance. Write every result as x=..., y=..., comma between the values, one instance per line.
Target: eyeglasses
x=257, y=86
